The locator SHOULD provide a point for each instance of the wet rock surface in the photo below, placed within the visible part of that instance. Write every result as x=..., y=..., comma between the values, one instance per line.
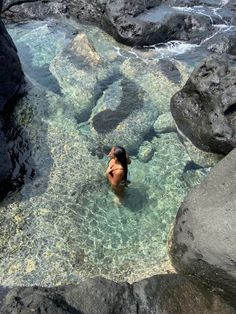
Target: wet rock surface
x=124, y=22
x=11, y=82
x=11, y=74
x=36, y=9
x=205, y=109
x=199, y=246
x=222, y=43
x=159, y=294
x=121, y=19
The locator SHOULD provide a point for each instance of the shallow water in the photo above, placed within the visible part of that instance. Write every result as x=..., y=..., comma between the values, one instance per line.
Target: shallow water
x=66, y=224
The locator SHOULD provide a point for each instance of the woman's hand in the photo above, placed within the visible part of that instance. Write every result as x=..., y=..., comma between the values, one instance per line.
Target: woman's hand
x=109, y=168
x=109, y=171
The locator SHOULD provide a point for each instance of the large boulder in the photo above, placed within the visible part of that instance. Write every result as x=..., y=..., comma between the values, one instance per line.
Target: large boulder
x=11, y=81
x=223, y=42
x=11, y=77
x=205, y=110
x=35, y=9
x=168, y=294
x=130, y=28
x=121, y=19
x=204, y=235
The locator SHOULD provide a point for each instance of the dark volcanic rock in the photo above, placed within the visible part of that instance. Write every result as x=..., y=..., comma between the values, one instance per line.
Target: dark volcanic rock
x=222, y=43
x=121, y=19
x=32, y=9
x=85, y=11
x=11, y=81
x=171, y=294
x=204, y=236
x=187, y=27
x=95, y=9
x=127, y=27
x=205, y=109
x=129, y=30
x=231, y=4
x=5, y=164
x=11, y=77
x=118, y=18
x=168, y=294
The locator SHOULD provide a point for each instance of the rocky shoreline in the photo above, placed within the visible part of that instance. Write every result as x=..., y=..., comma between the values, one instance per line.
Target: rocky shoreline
x=202, y=246
x=158, y=294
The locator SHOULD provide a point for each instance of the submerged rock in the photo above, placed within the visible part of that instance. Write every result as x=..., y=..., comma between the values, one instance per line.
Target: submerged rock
x=82, y=47
x=204, y=237
x=171, y=71
x=145, y=151
x=128, y=107
x=158, y=86
x=121, y=115
x=195, y=176
x=165, y=123
x=204, y=110
x=199, y=157
x=81, y=74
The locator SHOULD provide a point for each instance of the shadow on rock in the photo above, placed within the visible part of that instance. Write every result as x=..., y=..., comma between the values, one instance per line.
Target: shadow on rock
x=17, y=163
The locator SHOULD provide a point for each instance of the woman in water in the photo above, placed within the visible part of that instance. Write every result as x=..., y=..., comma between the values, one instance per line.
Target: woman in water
x=117, y=169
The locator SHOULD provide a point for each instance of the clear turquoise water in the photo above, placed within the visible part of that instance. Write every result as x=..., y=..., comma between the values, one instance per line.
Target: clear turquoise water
x=66, y=224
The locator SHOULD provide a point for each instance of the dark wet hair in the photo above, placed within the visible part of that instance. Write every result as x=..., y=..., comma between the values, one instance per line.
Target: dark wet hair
x=120, y=154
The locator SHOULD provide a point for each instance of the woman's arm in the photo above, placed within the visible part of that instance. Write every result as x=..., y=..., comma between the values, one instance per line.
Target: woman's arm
x=115, y=178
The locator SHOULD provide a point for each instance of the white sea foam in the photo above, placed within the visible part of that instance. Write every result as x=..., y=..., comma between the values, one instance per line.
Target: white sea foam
x=221, y=28
x=224, y=2
x=201, y=10
x=173, y=48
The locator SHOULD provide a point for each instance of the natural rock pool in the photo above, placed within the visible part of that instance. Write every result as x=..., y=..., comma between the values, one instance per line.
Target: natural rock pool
x=87, y=93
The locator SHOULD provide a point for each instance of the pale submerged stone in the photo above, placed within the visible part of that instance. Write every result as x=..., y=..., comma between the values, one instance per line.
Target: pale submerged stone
x=83, y=47
x=145, y=151
x=165, y=123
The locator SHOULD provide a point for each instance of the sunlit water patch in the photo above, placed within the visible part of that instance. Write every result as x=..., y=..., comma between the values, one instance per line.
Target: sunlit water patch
x=67, y=224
